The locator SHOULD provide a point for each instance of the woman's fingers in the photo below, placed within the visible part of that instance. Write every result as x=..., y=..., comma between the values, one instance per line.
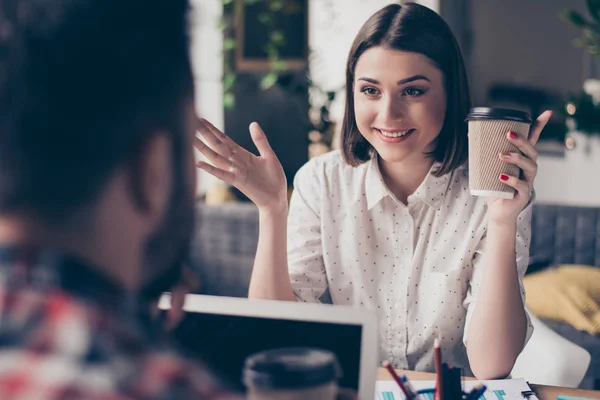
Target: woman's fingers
x=215, y=158
x=260, y=141
x=233, y=146
x=527, y=160
x=222, y=145
x=538, y=126
x=524, y=145
x=226, y=176
x=176, y=312
x=189, y=283
x=521, y=186
x=528, y=166
x=220, y=142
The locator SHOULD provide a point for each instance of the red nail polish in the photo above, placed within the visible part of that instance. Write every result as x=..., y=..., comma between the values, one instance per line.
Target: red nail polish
x=503, y=177
x=512, y=135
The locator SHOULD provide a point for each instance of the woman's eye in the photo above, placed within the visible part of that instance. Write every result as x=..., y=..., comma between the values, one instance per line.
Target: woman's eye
x=370, y=91
x=413, y=92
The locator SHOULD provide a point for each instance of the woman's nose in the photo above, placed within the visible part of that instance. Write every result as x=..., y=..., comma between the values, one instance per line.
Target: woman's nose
x=391, y=109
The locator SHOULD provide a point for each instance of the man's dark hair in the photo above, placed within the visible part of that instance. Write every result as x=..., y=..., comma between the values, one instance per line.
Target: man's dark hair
x=82, y=85
x=413, y=28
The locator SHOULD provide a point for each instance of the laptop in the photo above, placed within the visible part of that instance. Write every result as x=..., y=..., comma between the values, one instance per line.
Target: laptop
x=223, y=331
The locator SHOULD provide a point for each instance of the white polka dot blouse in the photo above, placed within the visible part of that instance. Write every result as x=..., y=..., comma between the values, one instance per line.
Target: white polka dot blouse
x=417, y=265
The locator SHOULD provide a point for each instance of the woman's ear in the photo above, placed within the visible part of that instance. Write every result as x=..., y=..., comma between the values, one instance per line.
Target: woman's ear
x=151, y=177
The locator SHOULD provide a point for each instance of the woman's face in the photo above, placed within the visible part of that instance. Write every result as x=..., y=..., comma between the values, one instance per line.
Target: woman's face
x=399, y=103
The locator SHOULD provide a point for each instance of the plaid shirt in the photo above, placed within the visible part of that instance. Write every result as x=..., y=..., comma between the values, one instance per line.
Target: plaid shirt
x=68, y=332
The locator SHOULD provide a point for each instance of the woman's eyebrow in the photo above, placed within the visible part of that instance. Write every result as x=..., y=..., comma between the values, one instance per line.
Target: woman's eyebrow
x=412, y=79
x=400, y=82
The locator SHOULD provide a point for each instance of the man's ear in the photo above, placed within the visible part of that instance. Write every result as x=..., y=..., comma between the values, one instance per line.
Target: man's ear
x=151, y=177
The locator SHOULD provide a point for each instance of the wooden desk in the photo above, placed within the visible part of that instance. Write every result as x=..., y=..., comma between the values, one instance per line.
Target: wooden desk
x=544, y=392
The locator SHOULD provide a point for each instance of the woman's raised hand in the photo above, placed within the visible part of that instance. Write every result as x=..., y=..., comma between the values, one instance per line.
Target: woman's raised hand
x=260, y=178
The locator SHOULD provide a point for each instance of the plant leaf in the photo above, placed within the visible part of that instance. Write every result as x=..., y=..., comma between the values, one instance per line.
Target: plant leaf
x=268, y=80
x=279, y=65
x=228, y=81
x=221, y=23
x=574, y=17
x=272, y=51
x=265, y=19
x=276, y=5
x=229, y=44
x=228, y=100
x=594, y=9
x=277, y=38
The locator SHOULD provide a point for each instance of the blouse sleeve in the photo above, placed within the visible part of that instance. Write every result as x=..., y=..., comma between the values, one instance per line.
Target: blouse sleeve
x=305, y=252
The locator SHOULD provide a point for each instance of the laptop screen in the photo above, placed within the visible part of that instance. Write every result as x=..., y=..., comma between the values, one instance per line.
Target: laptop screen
x=223, y=342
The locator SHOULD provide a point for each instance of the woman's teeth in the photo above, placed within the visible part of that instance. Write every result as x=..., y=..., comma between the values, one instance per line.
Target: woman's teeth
x=394, y=134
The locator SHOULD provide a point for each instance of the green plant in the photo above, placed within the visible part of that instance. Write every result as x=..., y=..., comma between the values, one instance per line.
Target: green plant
x=582, y=113
x=590, y=38
x=276, y=40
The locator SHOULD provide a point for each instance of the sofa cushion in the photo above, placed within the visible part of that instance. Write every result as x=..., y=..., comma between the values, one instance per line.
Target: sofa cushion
x=564, y=235
x=224, y=246
x=567, y=293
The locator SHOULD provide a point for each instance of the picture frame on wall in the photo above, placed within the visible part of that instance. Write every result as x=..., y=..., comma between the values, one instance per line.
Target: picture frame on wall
x=252, y=35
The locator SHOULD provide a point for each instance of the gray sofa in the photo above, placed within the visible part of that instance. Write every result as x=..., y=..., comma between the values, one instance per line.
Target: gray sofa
x=226, y=238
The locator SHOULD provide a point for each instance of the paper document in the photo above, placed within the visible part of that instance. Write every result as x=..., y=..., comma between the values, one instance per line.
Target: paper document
x=507, y=389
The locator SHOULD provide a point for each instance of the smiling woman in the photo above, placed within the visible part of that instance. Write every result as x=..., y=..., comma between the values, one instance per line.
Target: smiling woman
x=388, y=222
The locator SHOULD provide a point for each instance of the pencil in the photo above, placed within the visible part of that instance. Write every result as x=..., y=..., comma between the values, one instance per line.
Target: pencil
x=476, y=393
x=409, y=386
x=389, y=367
x=439, y=379
x=456, y=387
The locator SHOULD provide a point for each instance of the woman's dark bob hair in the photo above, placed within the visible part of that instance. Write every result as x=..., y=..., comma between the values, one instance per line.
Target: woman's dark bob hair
x=413, y=28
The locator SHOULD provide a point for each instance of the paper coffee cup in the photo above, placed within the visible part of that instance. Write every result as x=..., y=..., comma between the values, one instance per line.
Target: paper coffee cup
x=488, y=128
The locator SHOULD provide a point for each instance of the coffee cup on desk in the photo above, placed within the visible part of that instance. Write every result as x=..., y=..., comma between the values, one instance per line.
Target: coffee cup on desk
x=488, y=129
x=292, y=374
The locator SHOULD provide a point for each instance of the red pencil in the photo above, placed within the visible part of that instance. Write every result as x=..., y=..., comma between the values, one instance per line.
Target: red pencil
x=389, y=367
x=439, y=372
